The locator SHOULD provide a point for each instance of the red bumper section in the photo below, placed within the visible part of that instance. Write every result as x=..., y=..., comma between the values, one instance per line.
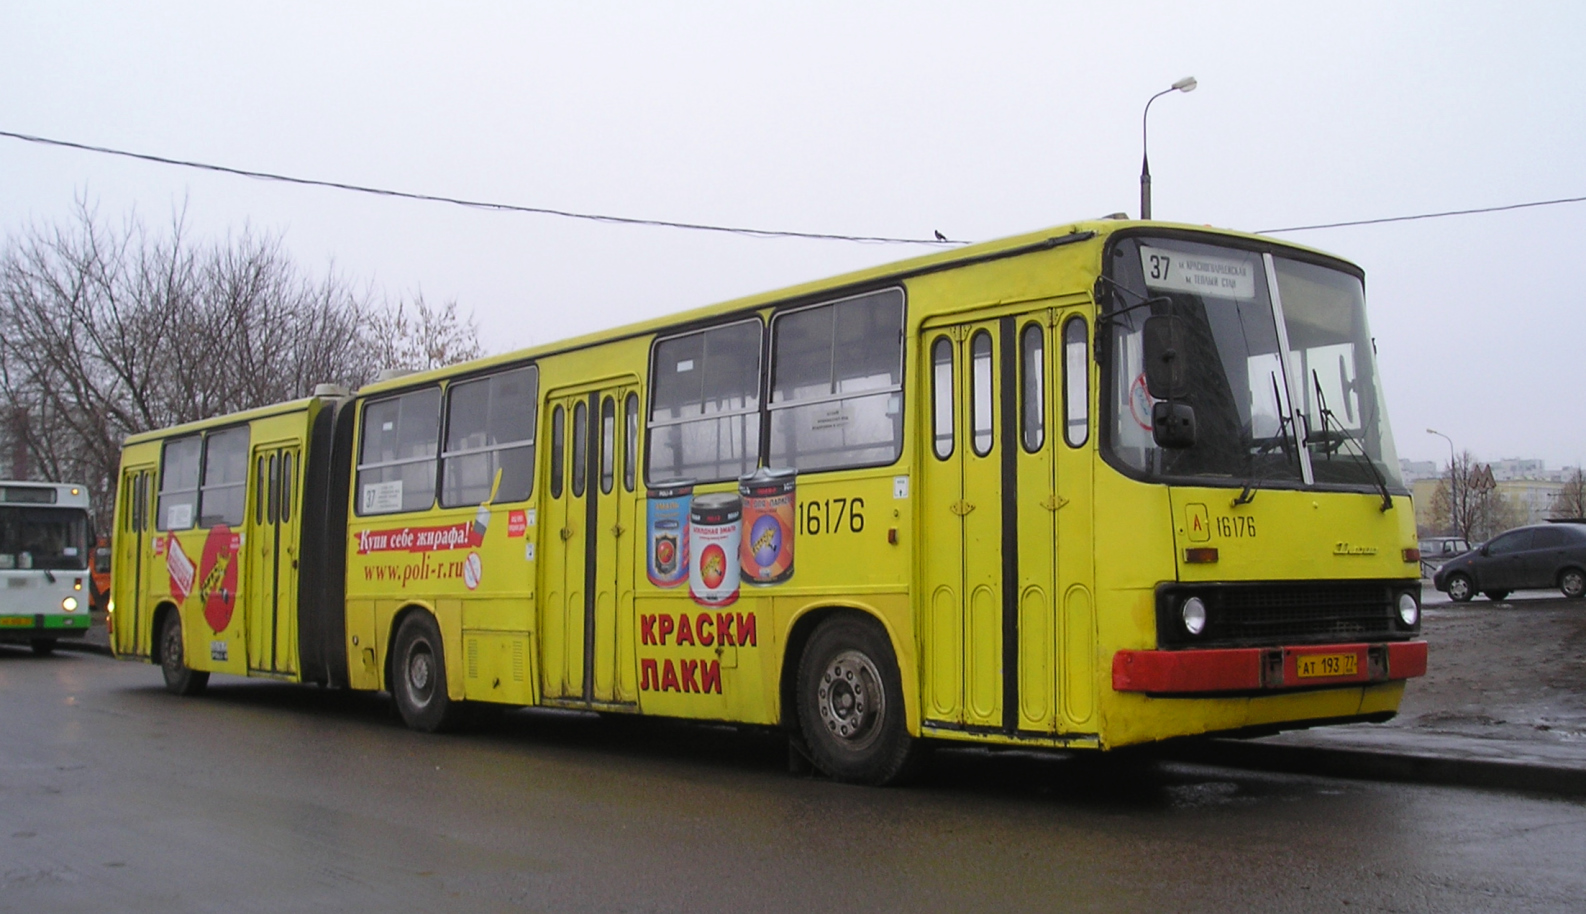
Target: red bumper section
x=1259, y=669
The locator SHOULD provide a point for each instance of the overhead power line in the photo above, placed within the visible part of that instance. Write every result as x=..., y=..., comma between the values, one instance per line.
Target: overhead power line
x=1452, y=212
x=691, y=226
x=477, y=204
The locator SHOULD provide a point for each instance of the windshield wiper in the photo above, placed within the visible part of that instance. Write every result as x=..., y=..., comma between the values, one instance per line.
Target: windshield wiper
x=1252, y=478
x=1359, y=453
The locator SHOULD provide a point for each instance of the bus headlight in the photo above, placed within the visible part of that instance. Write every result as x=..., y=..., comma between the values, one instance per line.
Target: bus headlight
x=1194, y=613
x=1409, y=610
x=69, y=604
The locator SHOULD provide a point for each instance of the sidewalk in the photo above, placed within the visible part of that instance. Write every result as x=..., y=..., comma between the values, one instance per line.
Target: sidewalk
x=1503, y=705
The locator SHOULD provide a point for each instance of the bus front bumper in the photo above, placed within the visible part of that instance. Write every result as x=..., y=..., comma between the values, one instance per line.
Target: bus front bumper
x=52, y=625
x=1265, y=669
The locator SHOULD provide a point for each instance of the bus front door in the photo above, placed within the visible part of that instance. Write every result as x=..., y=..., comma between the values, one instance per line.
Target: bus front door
x=270, y=591
x=993, y=640
x=128, y=581
x=586, y=641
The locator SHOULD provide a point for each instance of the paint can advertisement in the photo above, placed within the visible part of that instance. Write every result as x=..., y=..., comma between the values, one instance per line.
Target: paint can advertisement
x=667, y=532
x=715, y=531
x=769, y=505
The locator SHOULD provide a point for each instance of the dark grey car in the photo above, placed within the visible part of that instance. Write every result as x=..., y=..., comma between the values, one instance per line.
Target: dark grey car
x=1539, y=556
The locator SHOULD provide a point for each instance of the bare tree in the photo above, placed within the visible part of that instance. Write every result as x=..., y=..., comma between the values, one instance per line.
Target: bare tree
x=416, y=337
x=1467, y=502
x=108, y=331
x=1570, y=502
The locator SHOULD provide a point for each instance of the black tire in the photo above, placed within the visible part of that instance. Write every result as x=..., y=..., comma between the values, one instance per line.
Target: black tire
x=1460, y=590
x=1572, y=581
x=179, y=678
x=850, y=703
x=1495, y=595
x=418, y=677
x=43, y=647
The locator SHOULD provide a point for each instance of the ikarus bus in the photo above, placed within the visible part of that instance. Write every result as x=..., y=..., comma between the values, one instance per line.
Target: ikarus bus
x=1102, y=485
x=44, y=550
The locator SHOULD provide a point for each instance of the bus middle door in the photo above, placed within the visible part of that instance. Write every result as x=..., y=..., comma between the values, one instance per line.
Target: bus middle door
x=587, y=567
x=270, y=593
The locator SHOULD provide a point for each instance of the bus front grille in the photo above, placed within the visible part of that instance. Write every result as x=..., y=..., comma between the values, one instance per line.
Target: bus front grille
x=1276, y=613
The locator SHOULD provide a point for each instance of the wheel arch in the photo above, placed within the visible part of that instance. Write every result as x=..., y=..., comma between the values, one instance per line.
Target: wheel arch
x=1558, y=579
x=157, y=625
x=399, y=617
x=804, y=624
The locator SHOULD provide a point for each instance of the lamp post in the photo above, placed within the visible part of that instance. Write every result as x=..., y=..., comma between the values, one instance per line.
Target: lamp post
x=1187, y=84
x=1453, y=482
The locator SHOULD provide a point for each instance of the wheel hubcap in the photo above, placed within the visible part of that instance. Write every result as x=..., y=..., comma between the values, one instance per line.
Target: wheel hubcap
x=850, y=699
x=420, y=675
x=1457, y=588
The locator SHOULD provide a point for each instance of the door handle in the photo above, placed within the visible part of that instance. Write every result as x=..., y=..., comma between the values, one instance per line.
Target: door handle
x=618, y=530
x=961, y=507
x=567, y=533
x=1054, y=502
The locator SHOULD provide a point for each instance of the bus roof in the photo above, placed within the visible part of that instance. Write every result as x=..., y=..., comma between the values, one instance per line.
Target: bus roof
x=262, y=412
x=1075, y=232
x=28, y=492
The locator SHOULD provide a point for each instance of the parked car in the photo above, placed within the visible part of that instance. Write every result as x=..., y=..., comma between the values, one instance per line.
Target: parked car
x=1538, y=556
x=1435, y=550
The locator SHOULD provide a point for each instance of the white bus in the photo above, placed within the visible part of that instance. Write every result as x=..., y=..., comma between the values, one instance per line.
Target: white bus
x=44, y=553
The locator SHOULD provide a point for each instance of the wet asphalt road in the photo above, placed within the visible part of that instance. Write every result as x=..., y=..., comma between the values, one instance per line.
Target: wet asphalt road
x=267, y=797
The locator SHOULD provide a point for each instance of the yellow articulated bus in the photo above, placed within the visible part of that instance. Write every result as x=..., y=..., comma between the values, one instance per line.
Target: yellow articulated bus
x=1097, y=486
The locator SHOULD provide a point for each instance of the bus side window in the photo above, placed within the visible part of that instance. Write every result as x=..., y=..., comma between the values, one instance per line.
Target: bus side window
x=396, y=461
x=981, y=400
x=286, y=486
x=837, y=384
x=260, y=481
x=942, y=397
x=630, y=450
x=558, y=449
x=1032, y=389
x=580, y=447
x=223, y=498
x=490, y=429
x=1076, y=382
x=608, y=444
x=705, y=404
x=179, y=484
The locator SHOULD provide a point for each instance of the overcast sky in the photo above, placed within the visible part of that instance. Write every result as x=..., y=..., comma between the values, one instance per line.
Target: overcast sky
x=977, y=120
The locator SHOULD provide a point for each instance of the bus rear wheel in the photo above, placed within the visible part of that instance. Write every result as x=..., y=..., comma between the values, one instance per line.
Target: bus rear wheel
x=850, y=703
x=418, y=676
x=43, y=647
x=179, y=678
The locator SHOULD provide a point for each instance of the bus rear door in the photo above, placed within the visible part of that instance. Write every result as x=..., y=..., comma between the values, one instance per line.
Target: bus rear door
x=129, y=583
x=270, y=592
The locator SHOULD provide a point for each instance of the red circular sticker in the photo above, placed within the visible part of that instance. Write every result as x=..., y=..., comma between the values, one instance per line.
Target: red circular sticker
x=217, y=575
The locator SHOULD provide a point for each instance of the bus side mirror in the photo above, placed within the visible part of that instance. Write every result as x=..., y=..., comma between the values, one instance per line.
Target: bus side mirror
x=1173, y=424
x=1165, y=366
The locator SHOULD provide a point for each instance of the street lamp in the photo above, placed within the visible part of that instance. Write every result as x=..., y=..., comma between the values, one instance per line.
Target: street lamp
x=1187, y=84
x=1453, y=482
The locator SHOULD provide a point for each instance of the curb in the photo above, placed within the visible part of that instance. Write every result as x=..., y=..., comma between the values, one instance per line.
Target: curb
x=1366, y=764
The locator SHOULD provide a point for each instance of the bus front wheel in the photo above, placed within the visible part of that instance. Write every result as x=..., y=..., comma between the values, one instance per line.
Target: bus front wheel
x=179, y=678
x=850, y=703
x=419, y=677
x=43, y=647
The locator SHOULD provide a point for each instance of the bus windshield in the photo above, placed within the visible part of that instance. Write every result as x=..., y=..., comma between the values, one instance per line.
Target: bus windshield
x=1285, y=392
x=54, y=539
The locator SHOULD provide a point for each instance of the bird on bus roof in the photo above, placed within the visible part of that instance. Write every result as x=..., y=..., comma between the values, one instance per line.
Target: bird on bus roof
x=940, y=236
